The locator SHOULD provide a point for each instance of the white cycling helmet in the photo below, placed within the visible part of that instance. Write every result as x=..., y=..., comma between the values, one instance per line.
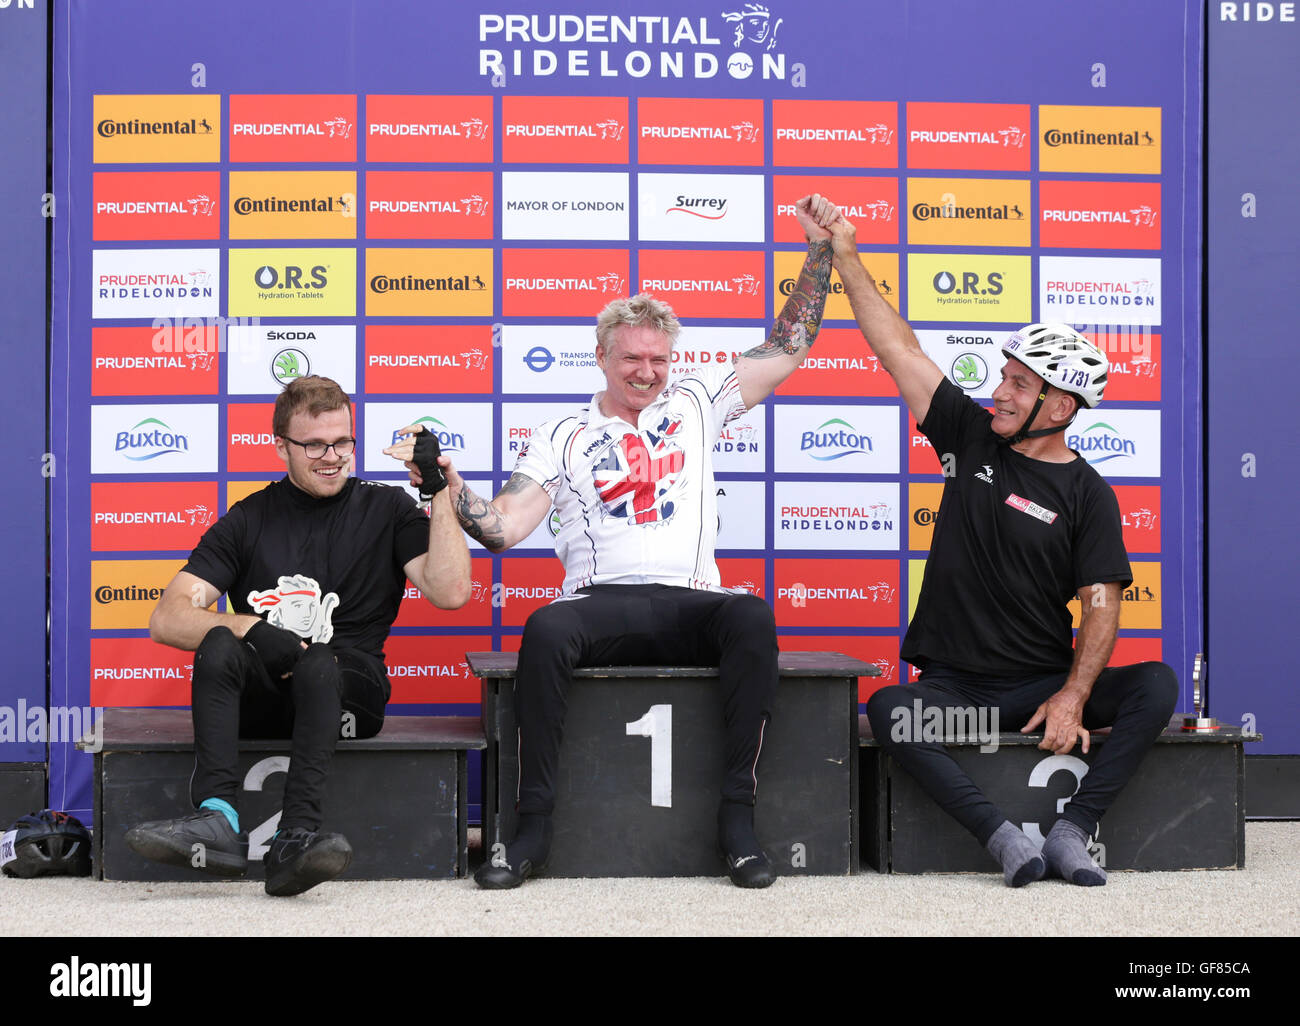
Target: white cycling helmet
x=1062, y=357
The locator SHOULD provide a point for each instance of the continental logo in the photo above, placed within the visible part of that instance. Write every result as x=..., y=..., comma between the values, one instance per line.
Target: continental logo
x=1113, y=140
x=429, y=282
x=883, y=267
x=968, y=212
x=968, y=287
x=834, y=133
x=592, y=130
x=124, y=592
x=310, y=128
x=1141, y=604
x=157, y=129
x=293, y=205
x=429, y=129
x=293, y=282
x=923, y=502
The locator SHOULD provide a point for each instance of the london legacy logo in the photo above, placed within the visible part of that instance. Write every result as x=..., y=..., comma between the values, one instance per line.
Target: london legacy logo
x=635, y=478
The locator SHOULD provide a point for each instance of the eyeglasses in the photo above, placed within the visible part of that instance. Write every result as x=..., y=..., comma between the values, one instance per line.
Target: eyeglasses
x=343, y=448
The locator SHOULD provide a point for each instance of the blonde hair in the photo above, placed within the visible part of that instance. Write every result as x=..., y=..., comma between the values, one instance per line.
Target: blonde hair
x=640, y=311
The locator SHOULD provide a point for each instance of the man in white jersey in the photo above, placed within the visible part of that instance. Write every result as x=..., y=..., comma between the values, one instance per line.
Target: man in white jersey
x=631, y=478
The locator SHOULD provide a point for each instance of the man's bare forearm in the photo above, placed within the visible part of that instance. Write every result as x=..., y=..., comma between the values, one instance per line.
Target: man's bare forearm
x=480, y=518
x=1095, y=640
x=800, y=319
x=890, y=337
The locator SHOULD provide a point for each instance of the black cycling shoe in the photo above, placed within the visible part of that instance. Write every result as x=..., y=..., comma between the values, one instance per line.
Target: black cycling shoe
x=299, y=859
x=749, y=870
x=204, y=841
x=506, y=876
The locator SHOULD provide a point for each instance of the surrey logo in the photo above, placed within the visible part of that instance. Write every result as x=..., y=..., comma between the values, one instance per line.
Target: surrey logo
x=297, y=605
x=636, y=477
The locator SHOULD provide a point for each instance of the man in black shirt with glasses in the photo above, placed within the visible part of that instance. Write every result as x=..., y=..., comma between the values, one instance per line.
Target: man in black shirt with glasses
x=315, y=566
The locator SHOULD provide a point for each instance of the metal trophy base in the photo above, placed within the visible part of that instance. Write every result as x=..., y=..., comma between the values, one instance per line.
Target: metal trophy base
x=1200, y=723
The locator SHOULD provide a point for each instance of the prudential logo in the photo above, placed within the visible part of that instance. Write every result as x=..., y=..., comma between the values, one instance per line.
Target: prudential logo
x=834, y=440
x=148, y=440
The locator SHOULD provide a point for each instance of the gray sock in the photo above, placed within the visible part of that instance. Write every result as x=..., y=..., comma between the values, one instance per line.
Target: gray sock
x=1021, y=863
x=1066, y=851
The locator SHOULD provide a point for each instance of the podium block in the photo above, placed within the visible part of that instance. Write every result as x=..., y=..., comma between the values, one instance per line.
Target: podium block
x=640, y=769
x=399, y=797
x=1183, y=809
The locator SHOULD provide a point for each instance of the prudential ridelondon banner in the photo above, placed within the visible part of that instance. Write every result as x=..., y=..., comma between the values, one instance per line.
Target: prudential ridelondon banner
x=253, y=190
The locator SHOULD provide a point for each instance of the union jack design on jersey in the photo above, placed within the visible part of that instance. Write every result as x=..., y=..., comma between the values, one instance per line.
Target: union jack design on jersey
x=635, y=480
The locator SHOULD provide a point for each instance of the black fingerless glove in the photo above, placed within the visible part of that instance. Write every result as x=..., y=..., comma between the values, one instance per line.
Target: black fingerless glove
x=426, y=459
x=278, y=649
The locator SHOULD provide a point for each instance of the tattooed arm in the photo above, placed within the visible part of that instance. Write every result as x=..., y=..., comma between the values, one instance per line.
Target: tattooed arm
x=505, y=521
x=764, y=367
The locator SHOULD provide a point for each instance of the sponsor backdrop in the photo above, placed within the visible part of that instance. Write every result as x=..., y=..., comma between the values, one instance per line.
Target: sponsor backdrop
x=25, y=210
x=431, y=203
x=1253, y=221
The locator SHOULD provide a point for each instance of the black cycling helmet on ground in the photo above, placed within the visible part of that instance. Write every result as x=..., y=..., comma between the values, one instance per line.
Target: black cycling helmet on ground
x=46, y=843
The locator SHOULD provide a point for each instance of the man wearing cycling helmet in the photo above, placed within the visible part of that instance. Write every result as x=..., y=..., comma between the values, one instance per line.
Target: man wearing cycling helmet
x=1025, y=525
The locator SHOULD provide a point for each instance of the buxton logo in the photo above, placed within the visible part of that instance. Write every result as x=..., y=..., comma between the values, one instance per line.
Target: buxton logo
x=148, y=440
x=108, y=128
x=1080, y=137
x=289, y=277
x=382, y=283
x=834, y=440
x=448, y=440
x=1101, y=443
